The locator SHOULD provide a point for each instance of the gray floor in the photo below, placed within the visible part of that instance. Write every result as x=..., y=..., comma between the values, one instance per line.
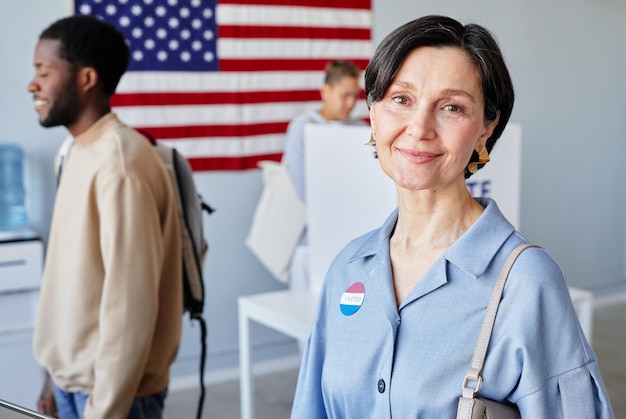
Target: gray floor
x=610, y=346
x=274, y=392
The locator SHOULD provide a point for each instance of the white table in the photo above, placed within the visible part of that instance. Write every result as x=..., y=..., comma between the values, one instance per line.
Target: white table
x=289, y=312
x=293, y=313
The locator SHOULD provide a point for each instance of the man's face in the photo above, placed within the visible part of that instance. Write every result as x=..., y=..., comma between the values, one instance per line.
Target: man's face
x=340, y=98
x=54, y=86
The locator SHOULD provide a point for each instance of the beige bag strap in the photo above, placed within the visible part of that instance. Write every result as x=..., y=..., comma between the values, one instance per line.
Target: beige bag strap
x=480, y=351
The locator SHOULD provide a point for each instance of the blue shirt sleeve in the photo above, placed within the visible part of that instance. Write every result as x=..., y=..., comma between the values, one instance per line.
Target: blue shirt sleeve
x=559, y=373
x=574, y=394
x=294, y=155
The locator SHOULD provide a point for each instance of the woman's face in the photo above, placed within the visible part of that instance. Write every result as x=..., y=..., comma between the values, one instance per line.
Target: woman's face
x=430, y=119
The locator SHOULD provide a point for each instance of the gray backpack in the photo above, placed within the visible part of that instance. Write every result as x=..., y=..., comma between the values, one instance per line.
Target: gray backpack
x=194, y=246
x=190, y=206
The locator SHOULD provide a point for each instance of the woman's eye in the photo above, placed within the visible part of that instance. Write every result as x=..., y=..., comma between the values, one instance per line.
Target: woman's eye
x=401, y=100
x=453, y=108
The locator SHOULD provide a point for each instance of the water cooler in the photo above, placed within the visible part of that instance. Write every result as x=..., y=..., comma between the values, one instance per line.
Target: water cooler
x=21, y=262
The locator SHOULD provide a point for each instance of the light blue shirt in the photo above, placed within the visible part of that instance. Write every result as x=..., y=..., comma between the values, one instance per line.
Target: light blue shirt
x=409, y=361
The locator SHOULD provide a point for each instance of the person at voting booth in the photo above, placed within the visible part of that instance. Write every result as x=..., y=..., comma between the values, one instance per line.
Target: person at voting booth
x=401, y=307
x=110, y=310
x=339, y=93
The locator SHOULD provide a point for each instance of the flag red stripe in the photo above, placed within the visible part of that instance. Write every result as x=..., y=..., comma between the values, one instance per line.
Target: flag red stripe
x=203, y=131
x=292, y=32
x=345, y=4
x=213, y=98
x=284, y=64
x=230, y=163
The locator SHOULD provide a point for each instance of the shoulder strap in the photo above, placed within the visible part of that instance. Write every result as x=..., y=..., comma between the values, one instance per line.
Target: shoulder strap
x=61, y=157
x=480, y=351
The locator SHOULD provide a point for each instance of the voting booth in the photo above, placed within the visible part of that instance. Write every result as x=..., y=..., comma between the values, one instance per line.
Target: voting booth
x=348, y=195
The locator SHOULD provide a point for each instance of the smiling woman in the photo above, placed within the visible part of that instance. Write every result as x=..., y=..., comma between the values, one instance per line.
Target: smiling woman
x=440, y=96
x=436, y=92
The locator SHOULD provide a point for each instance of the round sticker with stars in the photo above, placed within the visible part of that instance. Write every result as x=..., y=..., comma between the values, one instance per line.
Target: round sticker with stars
x=352, y=299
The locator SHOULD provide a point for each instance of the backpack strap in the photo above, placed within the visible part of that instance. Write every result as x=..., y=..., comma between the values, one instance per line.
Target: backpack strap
x=192, y=251
x=62, y=156
x=203, y=338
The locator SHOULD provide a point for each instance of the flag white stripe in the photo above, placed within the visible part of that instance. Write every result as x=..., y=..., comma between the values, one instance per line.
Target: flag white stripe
x=160, y=82
x=228, y=147
x=248, y=15
x=194, y=115
x=292, y=48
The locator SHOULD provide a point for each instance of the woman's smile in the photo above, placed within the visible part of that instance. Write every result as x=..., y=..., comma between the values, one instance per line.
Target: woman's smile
x=418, y=157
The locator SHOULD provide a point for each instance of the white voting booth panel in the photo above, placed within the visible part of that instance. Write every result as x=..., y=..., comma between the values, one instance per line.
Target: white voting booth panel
x=348, y=195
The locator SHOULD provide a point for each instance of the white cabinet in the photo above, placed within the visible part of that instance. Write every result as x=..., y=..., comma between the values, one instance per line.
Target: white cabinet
x=21, y=263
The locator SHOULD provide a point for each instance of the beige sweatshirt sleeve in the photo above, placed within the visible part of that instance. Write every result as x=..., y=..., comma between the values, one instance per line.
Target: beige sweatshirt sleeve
x=132, y=255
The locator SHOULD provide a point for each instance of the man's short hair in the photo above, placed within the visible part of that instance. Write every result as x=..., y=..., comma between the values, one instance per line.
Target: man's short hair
x=335, y=71
x=90, y=42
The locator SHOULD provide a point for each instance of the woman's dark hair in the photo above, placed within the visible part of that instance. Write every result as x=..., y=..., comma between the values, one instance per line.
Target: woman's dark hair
x=442, y=31
x=90, y=42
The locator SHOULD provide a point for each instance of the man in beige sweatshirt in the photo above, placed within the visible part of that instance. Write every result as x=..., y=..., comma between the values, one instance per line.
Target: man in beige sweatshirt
x=110, y=311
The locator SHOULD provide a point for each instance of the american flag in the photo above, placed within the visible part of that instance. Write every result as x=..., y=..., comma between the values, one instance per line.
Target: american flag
x=220, y=80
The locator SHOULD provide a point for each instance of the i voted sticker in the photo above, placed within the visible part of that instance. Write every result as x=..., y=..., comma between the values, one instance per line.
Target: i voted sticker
x=352, y=299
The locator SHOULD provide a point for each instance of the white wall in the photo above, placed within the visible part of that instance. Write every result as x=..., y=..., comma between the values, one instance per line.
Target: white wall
x=20, y=25
x=568, y=62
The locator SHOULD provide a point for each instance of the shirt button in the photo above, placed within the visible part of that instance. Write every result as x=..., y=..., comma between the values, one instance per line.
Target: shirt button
x=381, y=386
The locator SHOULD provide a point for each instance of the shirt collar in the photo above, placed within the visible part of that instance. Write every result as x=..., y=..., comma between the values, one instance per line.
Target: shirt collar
x=475, y=249
x=472, y=252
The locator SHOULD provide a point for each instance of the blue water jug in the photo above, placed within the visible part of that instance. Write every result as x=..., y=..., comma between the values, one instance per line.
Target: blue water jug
x=12, y=207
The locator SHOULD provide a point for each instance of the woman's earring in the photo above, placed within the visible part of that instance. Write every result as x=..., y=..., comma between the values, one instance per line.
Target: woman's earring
x=472, y=167
x=483, y=155
x=483, y=158
x=372, y=140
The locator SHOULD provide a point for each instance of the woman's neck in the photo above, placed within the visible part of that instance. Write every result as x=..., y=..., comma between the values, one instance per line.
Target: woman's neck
x=432, y=219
